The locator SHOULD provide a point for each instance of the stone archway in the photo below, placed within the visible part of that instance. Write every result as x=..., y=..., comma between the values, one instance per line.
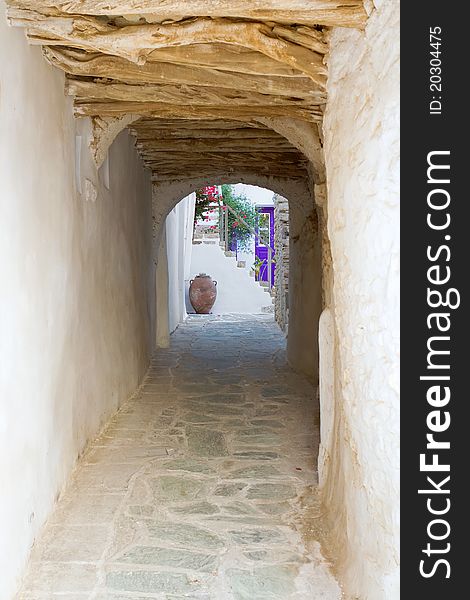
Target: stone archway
x=305, y=253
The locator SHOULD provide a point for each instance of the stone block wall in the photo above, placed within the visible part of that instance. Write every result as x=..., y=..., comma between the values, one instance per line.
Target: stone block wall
x=281, y=248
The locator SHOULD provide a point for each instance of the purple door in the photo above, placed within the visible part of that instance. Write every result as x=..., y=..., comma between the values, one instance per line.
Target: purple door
x=263, y=240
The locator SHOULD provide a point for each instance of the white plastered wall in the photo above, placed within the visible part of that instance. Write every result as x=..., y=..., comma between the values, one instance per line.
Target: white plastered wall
x=178, y=229
x=360, y=377
x=76, y=297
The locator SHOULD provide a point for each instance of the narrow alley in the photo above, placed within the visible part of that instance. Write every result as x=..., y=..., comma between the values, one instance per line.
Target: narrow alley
x=247, y=454
x=201, y=486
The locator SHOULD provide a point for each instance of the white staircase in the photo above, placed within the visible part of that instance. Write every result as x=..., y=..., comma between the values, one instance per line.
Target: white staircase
x=237, y=291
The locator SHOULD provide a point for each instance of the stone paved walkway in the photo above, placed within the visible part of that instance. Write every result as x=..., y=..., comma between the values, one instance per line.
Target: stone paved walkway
x=201, y=486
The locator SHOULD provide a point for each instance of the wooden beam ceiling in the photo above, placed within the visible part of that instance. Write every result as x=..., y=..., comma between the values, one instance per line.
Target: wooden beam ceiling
x=175, y=148
x=200, y=74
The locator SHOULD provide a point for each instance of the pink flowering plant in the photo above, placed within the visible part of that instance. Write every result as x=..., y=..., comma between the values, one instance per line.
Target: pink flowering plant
x=205, y=198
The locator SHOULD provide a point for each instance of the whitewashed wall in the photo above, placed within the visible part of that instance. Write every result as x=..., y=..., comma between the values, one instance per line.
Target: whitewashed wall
x=178, y=228
x=76, y=295
x=237, y=291
x=361, y=130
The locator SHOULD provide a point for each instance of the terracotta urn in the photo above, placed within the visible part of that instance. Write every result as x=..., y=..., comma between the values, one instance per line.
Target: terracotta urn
x=202, y=293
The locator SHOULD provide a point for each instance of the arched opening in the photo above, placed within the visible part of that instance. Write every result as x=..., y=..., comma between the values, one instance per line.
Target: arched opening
x=305, y=278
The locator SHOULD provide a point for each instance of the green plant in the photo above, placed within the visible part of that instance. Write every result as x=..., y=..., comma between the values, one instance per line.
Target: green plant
x=237, y=230
x=258, y=264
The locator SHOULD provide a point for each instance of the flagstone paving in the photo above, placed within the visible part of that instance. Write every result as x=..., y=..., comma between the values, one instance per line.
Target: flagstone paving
x=201, y=486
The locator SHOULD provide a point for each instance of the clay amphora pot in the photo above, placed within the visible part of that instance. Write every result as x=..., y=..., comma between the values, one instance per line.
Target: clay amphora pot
x=202, y=293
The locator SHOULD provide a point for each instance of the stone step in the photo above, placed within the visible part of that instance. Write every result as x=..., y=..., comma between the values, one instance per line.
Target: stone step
x=267, y=309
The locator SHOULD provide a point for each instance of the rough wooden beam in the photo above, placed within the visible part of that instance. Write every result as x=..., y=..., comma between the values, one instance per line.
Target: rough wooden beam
x=229, y=164
x=189, y=169
x=211, y=135
x=164, y=136
x=226, y=57
x=152, y=154
x=178, y=95
x=303, y=36
x=150, y=148
x=177, y=160
x=162, y=110
x=342, y=13
x=136, y=42
x=206, y=144
x=85, y=64
x=180, y=160
x=150, y=141
x=224, y=155
x=177, y=126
